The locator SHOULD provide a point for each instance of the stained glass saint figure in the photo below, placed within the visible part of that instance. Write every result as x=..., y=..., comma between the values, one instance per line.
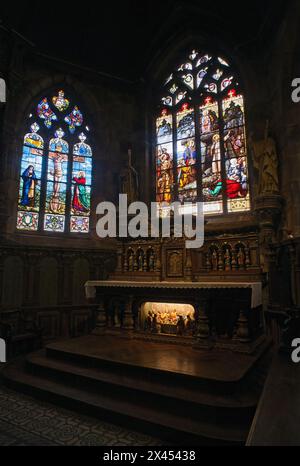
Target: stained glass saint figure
x=50, y=198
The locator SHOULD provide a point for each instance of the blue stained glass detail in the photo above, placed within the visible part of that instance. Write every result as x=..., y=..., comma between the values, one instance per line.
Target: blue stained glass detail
x=33, y=139
x=58, y=144
x=44, y=168
x=81, y=148
x=74, y=119
x=45, y=113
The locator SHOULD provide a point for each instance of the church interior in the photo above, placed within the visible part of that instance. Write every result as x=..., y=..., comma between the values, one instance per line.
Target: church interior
x=123, y=340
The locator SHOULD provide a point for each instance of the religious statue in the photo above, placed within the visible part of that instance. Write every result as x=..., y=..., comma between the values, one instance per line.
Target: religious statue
x=265, y=160
x=208, y=261
x=154, y=327
x=215, y=260
x=151, y=261
x=180, y=326
x=190, y=325
x=241, y=258
x=148, y=322
x=140, y=262
x=129, y=181
x=227, y=258
x=130, y=262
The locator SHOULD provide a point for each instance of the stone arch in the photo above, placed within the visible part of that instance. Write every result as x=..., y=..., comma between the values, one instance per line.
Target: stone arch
x=22, y=105
x=180, y=41
x=36, y=89
x=170, y=56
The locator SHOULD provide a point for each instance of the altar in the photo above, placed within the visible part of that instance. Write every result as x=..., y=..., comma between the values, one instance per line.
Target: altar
x=222, y=314
x=255, y=287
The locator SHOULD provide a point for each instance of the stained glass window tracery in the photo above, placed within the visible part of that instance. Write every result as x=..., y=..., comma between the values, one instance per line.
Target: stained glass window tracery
x=56, y=169
x=200, y=137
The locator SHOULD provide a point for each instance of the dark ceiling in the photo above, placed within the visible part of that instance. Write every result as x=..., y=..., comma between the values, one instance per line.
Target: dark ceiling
x=121, y=37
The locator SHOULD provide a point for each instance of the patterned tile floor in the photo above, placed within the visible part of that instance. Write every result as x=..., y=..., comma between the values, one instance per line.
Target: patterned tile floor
x=26, y=421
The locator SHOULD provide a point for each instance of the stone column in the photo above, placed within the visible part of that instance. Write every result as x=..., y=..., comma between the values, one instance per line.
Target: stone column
x=117, y=316
x=188, y=265
x=128, y=323
x=268, y=210
x=158, y=262
x=101, y=321
x=119, y=261
x=202, y=330
x=242, y=333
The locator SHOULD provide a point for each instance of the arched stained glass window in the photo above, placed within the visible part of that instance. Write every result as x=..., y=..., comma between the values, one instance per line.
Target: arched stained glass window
x=200, y=138
x=56, y=169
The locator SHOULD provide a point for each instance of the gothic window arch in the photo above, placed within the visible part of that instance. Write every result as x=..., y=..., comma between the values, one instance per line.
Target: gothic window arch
x=200, y=151
x=56, y=168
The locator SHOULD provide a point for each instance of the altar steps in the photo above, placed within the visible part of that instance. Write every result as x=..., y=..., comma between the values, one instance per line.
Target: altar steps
x=136, y=413
x=150, y=382
x=176, y=406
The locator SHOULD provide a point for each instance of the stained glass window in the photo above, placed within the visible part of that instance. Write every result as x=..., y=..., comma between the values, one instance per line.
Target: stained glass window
x=56, y=169
x=200, y=137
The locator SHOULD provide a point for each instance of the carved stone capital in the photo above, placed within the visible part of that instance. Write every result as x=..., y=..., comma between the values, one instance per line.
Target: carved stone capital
x=268, y=208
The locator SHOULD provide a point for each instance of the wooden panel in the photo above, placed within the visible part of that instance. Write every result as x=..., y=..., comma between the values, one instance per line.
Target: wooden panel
x=50, y=323
x=174, y=263
x=80, y=323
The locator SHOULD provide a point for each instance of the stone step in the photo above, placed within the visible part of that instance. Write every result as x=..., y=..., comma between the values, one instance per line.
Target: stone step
x=119, y=404
x=183, y=391
x=202, y=370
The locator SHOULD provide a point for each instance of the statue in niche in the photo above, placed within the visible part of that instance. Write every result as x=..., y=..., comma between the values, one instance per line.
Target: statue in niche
x=175, y=264
x=130, y=262
x=241, y=257
x=151, y=261
x=140, y=261
x=129, y=181
x=227, y=258
x=208, y=262
x=265, y=160
x=214, y=260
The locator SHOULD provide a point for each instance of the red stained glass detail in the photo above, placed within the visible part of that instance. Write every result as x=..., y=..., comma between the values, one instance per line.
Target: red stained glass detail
x=207, y=100
x=231, y=93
